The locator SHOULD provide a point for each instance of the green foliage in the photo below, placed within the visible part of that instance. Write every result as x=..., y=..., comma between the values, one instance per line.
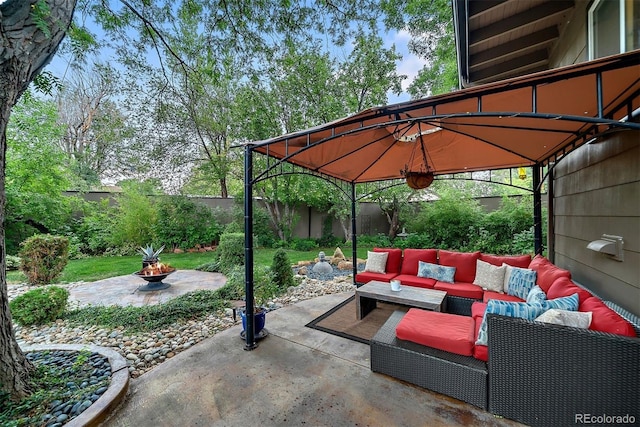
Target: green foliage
x=35, y=173
x=135, y=219
x=380, y=241
x=231, y=251
x=447, y=221
x=497, y=230
x=192, y=305
x=91, y=233
x=414, y=240
x=13, y=262
x=281, y=270
x=39, y=306
x=264, y=285
x=182, y=223
x=303, y=244
x=43, y=258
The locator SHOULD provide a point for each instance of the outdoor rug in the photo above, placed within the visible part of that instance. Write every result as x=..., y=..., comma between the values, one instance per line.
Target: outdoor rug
x=341, y=320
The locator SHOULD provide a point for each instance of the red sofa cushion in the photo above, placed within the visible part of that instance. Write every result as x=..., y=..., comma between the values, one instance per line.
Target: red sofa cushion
x=480, y=352
x=477, y=310
x=464, y=262
x=412, y=256
x=366, y=277
x=521, y=261
x=502, y=297
x=460, y=289
x=605, y=319
x=394, y=259
x=565, y=287
x=420, y=282
x=444, y=331
x=547, y=273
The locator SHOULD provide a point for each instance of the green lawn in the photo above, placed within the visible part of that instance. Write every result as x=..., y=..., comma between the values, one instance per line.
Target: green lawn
x=97, y=268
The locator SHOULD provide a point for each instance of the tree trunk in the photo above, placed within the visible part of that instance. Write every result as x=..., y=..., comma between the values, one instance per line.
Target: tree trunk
x=25, y=50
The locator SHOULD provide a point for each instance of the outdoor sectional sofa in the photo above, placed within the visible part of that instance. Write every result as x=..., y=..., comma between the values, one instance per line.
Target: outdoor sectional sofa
x=537, y=373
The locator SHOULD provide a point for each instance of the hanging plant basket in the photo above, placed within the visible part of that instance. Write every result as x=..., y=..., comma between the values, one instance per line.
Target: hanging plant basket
x=419, y=180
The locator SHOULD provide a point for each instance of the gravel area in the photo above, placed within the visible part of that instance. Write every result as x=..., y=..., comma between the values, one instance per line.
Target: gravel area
x=143, y=351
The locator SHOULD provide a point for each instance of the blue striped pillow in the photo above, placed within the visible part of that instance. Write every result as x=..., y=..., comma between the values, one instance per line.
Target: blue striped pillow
x=569, y=303
x=522, y=310
x=520, y=281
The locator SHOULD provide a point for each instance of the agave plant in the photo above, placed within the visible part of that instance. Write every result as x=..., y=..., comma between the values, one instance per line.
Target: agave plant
x=149, y=255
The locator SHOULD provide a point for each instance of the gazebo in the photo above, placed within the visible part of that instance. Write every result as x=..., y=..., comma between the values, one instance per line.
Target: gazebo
x=531, y=121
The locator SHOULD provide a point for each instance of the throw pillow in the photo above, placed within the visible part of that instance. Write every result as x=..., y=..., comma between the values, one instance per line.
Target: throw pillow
x=565, y=303
x=376, y=262
x=519, y=281
x=576, y=319
x=436, y=271
x=510, y=309
x=536, y=294
x=489, y=277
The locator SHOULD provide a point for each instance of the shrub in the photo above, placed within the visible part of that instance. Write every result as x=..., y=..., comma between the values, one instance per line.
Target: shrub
x=43, y=257
x=39, y=306
x=231, y=251
x=303, y=245
x=13, y=262
x=264, y=287
x=182, y=223
x=281, y=270
x=135, y=219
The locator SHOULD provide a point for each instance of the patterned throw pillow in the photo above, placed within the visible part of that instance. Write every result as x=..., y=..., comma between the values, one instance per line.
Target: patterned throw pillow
x=519, y=281
x=576, y=319
x=569, y=303
x=376, y=262
x=536, y=294
x=489, y=277
x=522, y=310
x=436, y=271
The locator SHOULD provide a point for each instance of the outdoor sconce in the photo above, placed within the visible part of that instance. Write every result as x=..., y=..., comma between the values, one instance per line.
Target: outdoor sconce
x=610, y=245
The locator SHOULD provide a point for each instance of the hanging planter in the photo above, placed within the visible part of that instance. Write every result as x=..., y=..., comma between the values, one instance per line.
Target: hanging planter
x=419, y=180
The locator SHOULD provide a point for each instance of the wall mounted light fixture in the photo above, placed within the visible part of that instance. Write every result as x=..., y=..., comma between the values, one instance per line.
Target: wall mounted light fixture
x=609, y=245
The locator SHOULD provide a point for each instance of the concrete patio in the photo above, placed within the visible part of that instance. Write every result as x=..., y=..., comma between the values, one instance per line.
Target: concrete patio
x=297, y=376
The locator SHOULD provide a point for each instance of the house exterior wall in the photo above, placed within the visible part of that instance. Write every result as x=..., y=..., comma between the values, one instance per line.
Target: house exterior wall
x=597, y=191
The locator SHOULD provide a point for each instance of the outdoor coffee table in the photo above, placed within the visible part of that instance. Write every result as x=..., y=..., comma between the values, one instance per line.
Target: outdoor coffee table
x=368, y=294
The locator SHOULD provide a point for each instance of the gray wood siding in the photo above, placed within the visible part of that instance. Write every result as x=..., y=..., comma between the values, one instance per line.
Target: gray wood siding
x=597, y=191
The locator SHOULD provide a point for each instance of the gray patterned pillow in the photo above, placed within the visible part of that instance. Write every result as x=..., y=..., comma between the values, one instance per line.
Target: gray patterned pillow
x=376, y=262
x=489, y=277
x=576, y=319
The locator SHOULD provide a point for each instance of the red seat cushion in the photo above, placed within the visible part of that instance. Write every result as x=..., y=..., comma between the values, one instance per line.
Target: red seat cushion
x=605, y=319
x=502, y=297
x=521, y=261
x=366, y=277
x=459, y=289
x=547, y=273
x=413, y=256
x=420, y=282
x=477, y=310
x=394, y=259
x=448, y=332
x=480, y=352
x=464, y=262
x=565, y=287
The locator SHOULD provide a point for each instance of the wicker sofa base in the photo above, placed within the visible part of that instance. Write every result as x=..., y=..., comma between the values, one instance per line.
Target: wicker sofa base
x=462, y=377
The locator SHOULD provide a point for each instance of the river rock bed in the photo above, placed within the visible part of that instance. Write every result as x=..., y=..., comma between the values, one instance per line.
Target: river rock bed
x=86, y=377
x=144, y=351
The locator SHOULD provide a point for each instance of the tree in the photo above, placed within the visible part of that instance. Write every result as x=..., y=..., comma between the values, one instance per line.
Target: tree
x=430, y=24
x=36, y=175
x=94, y=125
x=31, y=33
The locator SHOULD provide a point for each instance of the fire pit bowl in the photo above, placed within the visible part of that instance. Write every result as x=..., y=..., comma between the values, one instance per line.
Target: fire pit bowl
x=154, y=275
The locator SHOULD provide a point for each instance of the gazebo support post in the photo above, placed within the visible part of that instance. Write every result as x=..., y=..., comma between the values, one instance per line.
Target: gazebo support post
x=354, y=246
x=250, y=342
x=537, y=208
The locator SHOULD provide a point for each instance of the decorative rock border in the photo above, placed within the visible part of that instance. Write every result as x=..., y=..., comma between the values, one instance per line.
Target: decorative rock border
x=102, y=408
